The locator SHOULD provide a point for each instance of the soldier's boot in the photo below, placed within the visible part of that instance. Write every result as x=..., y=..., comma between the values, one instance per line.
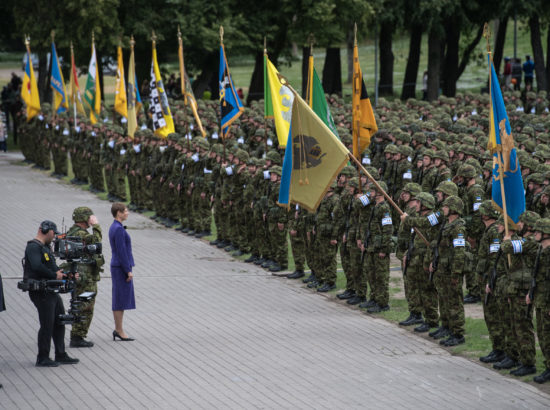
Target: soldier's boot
x=310, y=278
x=493, y=357
x=524, y=370
x=377, y=308
x=472, y=298
x=367, y=304
x=313, y=284
x=356, y=300
x=543, y=377
x=347, y=294
x=414, y=318
x=77, y=341
x=424, y=327
x=297, y=274
x=251, y=259
x=444, y=332
x=454, y=340
x=326, y=287
x=275, y=267
x=506, y=363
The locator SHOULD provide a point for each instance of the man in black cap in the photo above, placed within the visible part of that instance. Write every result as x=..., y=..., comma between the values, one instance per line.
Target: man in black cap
x=40, y=265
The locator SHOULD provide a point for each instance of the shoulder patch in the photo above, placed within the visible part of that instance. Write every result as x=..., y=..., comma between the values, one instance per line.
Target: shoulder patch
x=433, y=218
x=386, y=220
x=517, y=244
x=364, y=200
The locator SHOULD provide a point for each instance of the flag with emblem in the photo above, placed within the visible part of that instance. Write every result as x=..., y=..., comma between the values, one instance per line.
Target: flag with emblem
x=363, y=122
x=60, y=103
x=92, y=91
x=163, y=123
x=282, y=99
x=186, y=89
x=29, y=90
x=507, y=189
x=230, y=103
x=74, y=90
x=121, y=105
x=132, y=92
x=316, y=97
x=313, y=158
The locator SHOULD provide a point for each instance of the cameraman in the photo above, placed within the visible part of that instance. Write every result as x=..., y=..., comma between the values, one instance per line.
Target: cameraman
x=40, y=265
x=89, y=268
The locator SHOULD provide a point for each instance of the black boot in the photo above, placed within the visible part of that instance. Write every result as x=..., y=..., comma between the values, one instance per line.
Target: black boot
x=377, y=308
x=506, y=363
x=78, y=341
x=367, y=304
x=435, y=332
x=347, y=294
x=543, y=377
x=443, y=333
x=524, y=370
x=424, y=327
x=356, y=300
x=310, y=278
x=413, y=319
x=251, y=259
x=493, y=357
x=326, y=287
x=297, y=274
x=455, y=340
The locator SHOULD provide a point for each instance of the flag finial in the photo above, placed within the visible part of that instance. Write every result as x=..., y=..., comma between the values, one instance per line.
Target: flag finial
x=265, y=45
x=179, y=33
x=487, y=35
x=93, y=37
x=52, y=34
x=153, y=37
x=354, y=34
x=27, y=40
x=132, y=41
x=221, y=34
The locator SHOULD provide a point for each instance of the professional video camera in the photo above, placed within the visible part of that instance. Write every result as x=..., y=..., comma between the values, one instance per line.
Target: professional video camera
x=73, y=314
x=74, y=248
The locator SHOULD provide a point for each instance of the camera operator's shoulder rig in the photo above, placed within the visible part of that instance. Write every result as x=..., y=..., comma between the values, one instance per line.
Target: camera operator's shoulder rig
x=75, y=249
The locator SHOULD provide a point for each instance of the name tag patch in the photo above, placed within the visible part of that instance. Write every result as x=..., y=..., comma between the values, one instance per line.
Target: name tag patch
x=458, y=242
x=364, y=200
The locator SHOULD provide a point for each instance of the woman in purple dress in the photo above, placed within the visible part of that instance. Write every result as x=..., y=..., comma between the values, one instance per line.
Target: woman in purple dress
x=122, y=262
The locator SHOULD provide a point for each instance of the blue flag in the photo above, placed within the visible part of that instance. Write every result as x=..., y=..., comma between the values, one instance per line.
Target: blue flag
x=58, y=84
x=501, y=144
x=231, y=105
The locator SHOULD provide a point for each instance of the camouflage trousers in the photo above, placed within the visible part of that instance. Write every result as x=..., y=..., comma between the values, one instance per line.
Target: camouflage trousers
x=132, y=185
x=492, y=317
x=81, y=328
x=110, y=180
x=422, y=292
x=454, y=297
x=472, y=283
x=504, y=317
x=238, y=227
x=60, y=162
x=377, y=272
x=522, y=329
x=310, y=252
x=298, y=246
x=44, y=156
x=262, y=235
x=120, y=184
x=439, y=284
x=359, y=285
x=96, y=174
x=411, y=291
x=278, y=240
x=325, y=260
x=345, y=258
x=543, y=333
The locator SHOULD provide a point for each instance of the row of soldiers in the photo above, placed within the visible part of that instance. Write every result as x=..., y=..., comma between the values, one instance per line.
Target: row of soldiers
x=428, y=158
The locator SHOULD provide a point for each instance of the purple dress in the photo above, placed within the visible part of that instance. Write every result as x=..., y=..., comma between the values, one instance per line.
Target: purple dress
x=121, y=262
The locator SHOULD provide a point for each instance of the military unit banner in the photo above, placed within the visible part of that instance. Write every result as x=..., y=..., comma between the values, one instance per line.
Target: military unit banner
x=57, y=83
x=92, y=91
x=163, y=123
x=29, y=89
x=230, y=103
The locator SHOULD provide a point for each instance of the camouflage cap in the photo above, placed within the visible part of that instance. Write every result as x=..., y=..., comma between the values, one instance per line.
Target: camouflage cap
x=543, y=225
x=174, y=136
x=448, y=188
x=428, y=153
x=529, y=218
x=260, y=132
x=276, y=170
x=202, y=143
x=426, y=199
x=353, y=182
x=242, y=155
x=391, y=149
x=537, y=178
x=412, y=188
x=420, y=137
x=487, y=209
x=349, y=171
x=441, y=154
x=455, y=204
x=405, y=150
x=466, y=171
x=274, y=156
x=82, y=214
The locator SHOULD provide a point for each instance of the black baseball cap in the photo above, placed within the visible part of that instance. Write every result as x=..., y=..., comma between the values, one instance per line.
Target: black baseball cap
x=46, y=226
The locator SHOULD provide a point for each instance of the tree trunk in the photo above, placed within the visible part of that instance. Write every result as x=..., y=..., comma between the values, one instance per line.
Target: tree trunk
x=499, y=43
x=434, y=63
x=350, y=41
x=305, y=66
x=332, y=72
x=385, y=85
x=44, y=71
x=538, y=55
x=468, y=51
x=99, y=57
x=208, y=78
x=548, y=58
x=450, y=64
x=411, y=71
x=256, y=89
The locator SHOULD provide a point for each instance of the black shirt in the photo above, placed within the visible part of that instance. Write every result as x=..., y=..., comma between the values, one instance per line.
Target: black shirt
x=39, y=261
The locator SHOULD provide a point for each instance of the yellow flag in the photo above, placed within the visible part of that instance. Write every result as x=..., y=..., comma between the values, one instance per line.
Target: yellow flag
x=92, y=91
x=364, y=123
x=29, y=90
x=120, y=86
x=131, y=110
x=163, y=123
x=282, y=98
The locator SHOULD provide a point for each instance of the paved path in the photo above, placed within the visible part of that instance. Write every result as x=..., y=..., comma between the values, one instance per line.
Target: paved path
x=215, y=333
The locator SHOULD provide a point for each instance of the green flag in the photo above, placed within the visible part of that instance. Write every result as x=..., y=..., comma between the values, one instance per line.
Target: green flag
x=320, y=106
x=268, y=106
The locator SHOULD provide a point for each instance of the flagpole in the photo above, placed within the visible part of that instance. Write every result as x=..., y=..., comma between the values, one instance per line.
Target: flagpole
x=354, y=92
x=487, y=35
x=74, y=87
x=265, y=118
x=388, y=198
x=182, y=85
x=52, y=34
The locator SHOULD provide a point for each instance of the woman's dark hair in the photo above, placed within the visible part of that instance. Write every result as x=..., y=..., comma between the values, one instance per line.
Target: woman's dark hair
x=116, y=208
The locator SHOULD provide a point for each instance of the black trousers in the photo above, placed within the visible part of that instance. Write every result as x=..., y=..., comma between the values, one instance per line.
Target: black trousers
x=49, y=306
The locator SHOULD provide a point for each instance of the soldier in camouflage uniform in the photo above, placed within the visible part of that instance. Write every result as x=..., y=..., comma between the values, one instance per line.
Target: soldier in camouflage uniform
x=487, y=254
x=423, y=293
x=541, y=299
x=378, y=248
x=522, y=252
x=472, y=193
x=89, y=270
x=277, y=217
x=297, y=232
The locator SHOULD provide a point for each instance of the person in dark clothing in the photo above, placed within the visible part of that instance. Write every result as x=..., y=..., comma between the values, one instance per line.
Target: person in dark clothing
x=528, y=68
x=40, y=265
x=516, y=73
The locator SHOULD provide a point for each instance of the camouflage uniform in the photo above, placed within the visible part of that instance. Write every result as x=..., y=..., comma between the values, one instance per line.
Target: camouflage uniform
x=542, y=300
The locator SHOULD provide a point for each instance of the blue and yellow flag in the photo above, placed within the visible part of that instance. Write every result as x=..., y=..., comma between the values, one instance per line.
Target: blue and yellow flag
x=231, y=105
x=60, y=102
x=282, y=99
x=29, y=90
x=314, y=157
x=506, y=170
